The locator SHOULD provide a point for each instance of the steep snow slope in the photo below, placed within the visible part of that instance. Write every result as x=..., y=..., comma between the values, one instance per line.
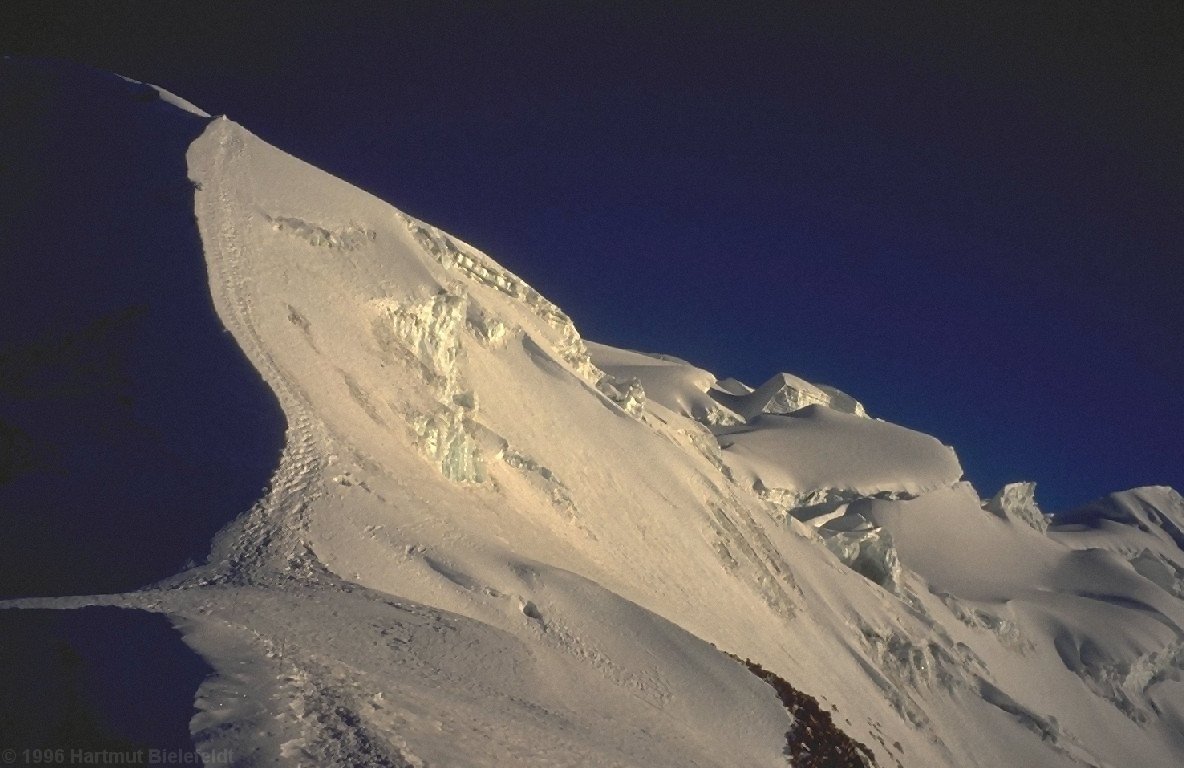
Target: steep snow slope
x=490, y=543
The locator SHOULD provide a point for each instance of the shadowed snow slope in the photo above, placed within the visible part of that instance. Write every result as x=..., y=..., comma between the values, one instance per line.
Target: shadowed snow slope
x=490, y=543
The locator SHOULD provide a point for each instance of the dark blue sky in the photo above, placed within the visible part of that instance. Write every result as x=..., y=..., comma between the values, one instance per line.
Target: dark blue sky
x=972, y=219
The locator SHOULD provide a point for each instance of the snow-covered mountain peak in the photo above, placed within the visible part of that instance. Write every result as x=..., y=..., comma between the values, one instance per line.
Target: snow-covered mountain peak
x=483, y=540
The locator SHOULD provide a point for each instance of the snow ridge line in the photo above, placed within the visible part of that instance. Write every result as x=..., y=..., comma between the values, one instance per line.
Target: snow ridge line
x=264, y=539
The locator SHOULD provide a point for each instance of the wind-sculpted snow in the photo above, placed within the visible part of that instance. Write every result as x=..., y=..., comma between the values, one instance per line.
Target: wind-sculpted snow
x=488, y=542
x=1157, y=512
x=820, y=449
x=785, y=394
x=675, y=384
x=1144, y=526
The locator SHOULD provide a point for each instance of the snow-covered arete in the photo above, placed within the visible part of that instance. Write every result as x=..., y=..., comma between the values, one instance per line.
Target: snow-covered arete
x=488, y=542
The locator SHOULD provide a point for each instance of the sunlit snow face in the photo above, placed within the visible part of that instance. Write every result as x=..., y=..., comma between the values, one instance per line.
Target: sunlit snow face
x=486, y=539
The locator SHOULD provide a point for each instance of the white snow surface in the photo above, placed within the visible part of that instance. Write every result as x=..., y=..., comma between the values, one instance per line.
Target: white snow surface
x=489, y=542
x=817, y=448
x=169, y=97
x=785, y=393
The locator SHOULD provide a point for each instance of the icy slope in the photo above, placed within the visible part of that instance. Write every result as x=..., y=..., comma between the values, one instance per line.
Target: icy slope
x=488, y=542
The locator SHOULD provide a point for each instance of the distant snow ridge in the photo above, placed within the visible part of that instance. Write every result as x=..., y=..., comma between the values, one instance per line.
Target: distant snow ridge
x=785, y=393
x=1157, y=509
x=1144, y=526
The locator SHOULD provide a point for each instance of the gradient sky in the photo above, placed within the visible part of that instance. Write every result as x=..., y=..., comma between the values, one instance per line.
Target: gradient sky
x=972, y=219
